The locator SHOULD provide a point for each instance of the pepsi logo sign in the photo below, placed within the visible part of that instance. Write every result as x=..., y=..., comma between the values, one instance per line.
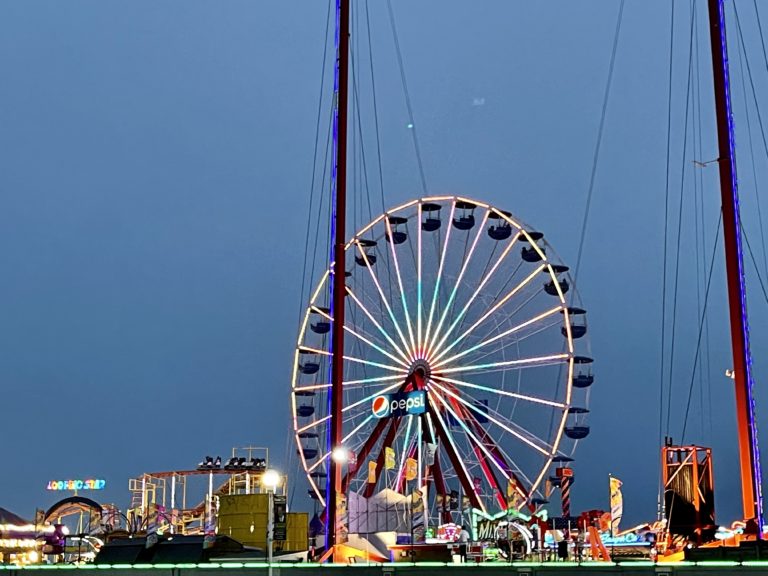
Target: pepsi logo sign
x=380, y=406
x=402, y=404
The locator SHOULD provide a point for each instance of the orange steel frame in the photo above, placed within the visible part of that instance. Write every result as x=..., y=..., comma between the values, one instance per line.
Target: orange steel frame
x=700, y=460
x=745, y=416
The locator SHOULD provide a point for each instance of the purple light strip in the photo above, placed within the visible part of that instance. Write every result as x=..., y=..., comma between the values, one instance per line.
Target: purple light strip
x=334, y=176
x=742, y=283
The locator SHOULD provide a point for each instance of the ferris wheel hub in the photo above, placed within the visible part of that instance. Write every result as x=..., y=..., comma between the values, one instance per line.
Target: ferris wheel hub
x=421, y=367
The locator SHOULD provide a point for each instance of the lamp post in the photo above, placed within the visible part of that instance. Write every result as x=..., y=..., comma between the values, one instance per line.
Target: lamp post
x=340, y=455
x=270, y=480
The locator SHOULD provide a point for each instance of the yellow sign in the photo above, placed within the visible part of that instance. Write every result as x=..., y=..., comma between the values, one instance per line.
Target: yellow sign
x=617, y=504
x=371, y=472
x=514, y=498
x=389, y=458
x=411, y=468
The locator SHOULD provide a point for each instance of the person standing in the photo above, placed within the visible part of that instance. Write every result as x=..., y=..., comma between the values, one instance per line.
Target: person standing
x=463, y=541
x=562, y=548
x=580, y=540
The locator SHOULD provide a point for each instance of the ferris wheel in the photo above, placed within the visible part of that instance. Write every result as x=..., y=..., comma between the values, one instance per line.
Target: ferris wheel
x=466, y=361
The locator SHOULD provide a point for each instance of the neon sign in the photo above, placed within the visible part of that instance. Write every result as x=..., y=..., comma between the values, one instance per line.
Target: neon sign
x=18, y=543
x=89, y=484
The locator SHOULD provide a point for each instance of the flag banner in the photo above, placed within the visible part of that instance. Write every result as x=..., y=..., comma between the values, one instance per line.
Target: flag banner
x=514, y=498
x=342, y=530
x=209, y=526
x=417, y=515
x=371, y=472
x=617, y=504
x=431, y=450
x=389, y=458
x=411, y=468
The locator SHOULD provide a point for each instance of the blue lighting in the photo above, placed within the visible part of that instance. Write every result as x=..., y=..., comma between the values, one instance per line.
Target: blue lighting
x=742, y=286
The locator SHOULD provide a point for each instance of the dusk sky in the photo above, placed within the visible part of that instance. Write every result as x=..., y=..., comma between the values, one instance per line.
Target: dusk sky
x=156, y=161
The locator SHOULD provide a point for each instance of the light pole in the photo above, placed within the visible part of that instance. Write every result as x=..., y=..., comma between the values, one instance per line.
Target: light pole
x=270, y=480
x=340, y=456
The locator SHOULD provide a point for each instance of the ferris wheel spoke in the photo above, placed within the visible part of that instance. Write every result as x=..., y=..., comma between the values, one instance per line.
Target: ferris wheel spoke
x=373, y=320
x=454, y=455
x=359, y=336
x=357, y=428
x=498, y=305
x=366, y=446
x=470, y=434
x=477, y=406
x=512, y=313
x=516, y=395
x=371, y=397
x=500, y=347
x=437, y=362
x=400, y=285
x=483, y=446
x=436, y=290
x=517, y=364
x=363, y=382
x=418, y=283
x=319, y=462
x=460, y=316
x=404, y=453
x=312, y=424
x=516, y=470
x=498, y=423
x=319, y=493
x=452, y=297
x=356, y=360
x=382, y=296
x=376, y=347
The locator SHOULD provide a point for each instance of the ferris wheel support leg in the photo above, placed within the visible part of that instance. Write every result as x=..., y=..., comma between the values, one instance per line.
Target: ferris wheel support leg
x=433, y=472
x=466, y=481
x=380, y=460
x=488, y=472
x=363, y=453
x=437, y=473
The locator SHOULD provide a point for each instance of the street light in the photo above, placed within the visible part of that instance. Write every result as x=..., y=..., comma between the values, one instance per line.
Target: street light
x=270, y=480
x=340, y=454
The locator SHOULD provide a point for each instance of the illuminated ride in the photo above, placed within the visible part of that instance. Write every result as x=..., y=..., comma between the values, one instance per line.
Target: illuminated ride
x=170, y=501
x=466, y=362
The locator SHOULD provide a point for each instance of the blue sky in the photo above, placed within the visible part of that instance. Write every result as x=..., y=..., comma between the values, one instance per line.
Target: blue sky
x=156, y=165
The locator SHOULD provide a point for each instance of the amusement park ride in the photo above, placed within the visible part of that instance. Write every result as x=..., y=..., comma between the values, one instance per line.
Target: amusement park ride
x=444, y=351
x=159, y=500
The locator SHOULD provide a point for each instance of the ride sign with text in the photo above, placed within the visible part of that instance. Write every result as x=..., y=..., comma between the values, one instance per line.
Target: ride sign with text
x=400, y=404
x=86, y=484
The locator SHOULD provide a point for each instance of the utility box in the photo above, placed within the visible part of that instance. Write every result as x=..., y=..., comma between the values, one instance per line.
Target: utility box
x=244, y=518
x=297, y=533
